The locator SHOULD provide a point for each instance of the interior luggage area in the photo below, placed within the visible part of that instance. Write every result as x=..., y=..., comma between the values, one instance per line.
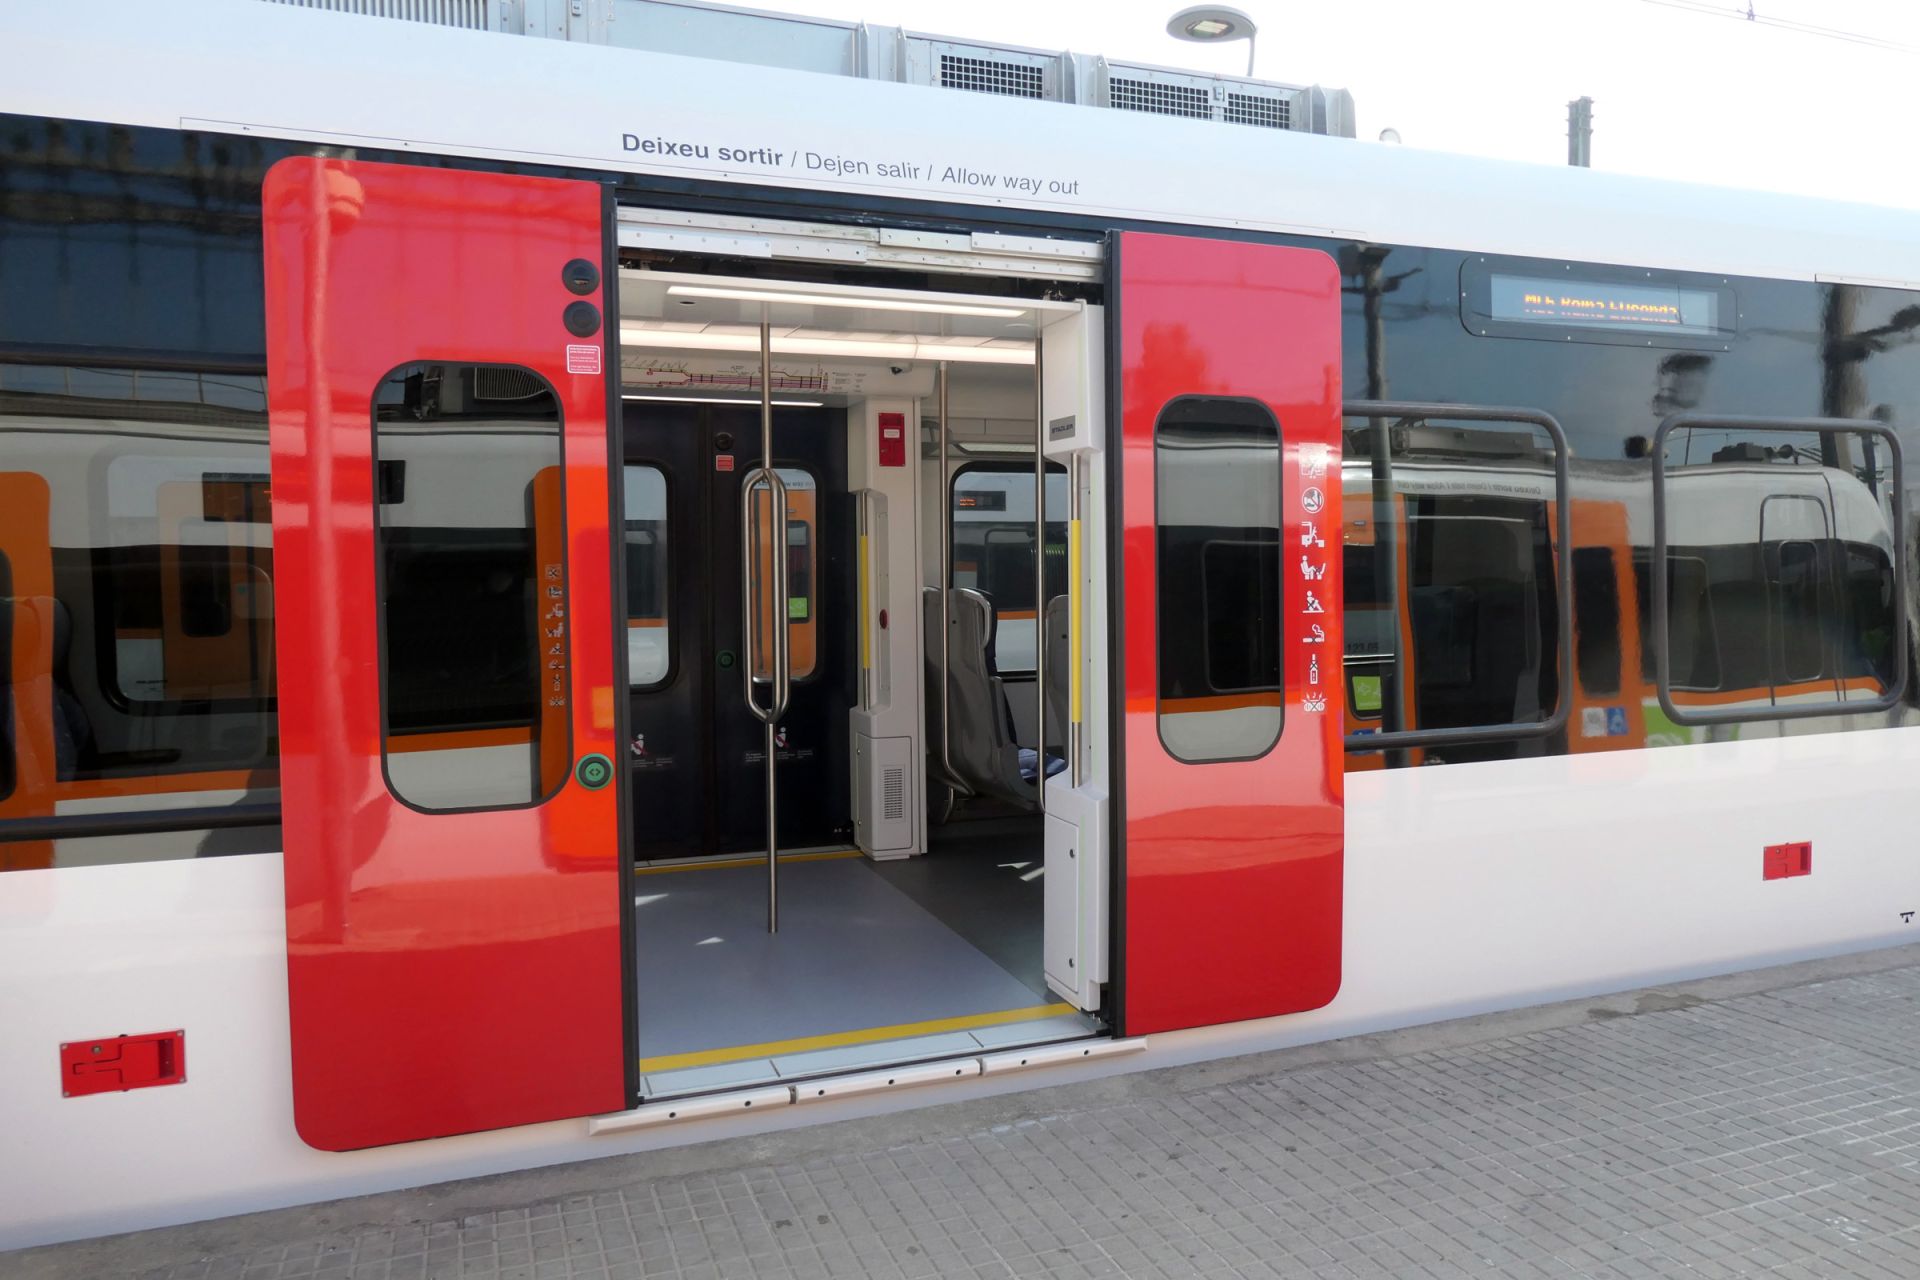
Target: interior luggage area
x=848, y=638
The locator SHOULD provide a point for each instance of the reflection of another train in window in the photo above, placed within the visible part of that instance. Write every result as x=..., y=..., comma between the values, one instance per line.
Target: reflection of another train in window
x=136, y=526
x=1800, y=613
x=992, y=513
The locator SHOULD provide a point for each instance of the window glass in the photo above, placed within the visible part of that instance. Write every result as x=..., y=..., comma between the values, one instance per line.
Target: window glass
x=649, y=622
x=1800, y=614
x=991, y=506
x=1457, y=593
x=6, y=670
x=475, y=636
x=137, y=532
x=801, y=608
x=1217, y=511
x=1596, y=619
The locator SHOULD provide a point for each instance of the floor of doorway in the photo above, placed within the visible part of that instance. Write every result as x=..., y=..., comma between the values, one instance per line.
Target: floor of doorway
x=874, y=964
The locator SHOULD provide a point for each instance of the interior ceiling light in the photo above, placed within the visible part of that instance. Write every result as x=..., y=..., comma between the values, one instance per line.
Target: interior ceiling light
x=913, y=349
x=844, y=300
x=778, y=404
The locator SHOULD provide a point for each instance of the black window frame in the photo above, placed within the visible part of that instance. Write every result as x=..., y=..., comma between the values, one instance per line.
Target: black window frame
x=1663, y=659
x=1380, y=410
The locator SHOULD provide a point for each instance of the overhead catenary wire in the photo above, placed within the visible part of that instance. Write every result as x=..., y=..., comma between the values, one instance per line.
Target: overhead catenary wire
x=1750, y=13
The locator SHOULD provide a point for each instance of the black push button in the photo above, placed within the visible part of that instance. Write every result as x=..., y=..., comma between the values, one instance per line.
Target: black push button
x=582, y=319
x=580, y=276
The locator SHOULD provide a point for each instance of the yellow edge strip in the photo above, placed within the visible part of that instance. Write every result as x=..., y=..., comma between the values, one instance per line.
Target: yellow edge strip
x=761, y=861
x=841, y=1039
x=1073, y=623
x=866, y=635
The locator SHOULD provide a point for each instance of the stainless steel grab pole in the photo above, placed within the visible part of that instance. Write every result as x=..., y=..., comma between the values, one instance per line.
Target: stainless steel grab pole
x=779, y=667
x=946, y=585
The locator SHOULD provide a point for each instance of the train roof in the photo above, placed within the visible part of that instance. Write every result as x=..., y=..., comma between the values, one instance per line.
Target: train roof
x=244, y=67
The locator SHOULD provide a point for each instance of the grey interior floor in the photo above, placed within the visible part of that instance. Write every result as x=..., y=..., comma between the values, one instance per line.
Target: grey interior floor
x=860, y=973
x=982, y=880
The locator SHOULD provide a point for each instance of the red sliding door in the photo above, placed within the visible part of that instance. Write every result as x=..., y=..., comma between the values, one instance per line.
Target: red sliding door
x=437, y=361
x=1229, y=377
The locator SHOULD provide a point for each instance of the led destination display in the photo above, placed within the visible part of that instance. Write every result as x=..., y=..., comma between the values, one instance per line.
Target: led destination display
x=1593, y=304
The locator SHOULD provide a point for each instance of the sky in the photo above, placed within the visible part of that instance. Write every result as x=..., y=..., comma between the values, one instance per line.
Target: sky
x=1678, y=92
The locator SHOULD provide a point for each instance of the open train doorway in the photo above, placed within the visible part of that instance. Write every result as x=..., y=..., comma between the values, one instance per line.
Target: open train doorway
x=836, y=591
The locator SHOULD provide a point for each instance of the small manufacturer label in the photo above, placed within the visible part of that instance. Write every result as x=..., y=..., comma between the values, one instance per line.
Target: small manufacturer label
x=1062, y=428
x=583, y=357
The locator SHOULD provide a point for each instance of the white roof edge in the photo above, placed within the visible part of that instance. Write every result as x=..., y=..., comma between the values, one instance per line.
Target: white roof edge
x=243, y=67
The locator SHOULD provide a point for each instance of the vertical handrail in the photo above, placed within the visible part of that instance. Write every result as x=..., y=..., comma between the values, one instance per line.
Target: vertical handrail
x=1039, y=582
x=1075, y=599
x=779, y=678
x=952, y=779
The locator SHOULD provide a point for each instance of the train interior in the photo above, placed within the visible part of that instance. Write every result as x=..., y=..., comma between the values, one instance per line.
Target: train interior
x=786, y=664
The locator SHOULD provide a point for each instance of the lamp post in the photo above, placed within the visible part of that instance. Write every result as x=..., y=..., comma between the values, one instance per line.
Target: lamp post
x=1214, y=24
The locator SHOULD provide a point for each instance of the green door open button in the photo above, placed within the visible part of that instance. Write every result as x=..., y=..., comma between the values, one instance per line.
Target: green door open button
x=594, y=771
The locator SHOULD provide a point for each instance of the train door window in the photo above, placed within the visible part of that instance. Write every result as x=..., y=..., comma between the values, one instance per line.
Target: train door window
x=1596, y=613
x=1866, y=648
x=471, y=539
x=649, y=600
x=1804, y=619
x=991, y=507
x=1217, y=513
x=802, y=605
x=1797, y=585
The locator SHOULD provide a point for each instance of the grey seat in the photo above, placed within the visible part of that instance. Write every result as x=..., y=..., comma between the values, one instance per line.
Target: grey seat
x=984, y=755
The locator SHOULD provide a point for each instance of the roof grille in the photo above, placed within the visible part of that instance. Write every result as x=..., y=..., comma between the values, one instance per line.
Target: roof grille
x=989, y=75
x=470, y=15
x=1159, y=97
x=1253, y=108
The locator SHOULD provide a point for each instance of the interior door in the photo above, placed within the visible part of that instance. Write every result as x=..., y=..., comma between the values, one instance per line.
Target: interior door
x=446, y=649
x=697, y=757
x=1227, y=364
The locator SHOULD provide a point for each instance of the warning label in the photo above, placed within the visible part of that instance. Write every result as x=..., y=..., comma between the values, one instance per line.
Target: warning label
x=583, y=357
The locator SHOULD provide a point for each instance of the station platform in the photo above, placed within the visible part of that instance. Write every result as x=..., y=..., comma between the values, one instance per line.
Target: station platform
x=1761, y=1124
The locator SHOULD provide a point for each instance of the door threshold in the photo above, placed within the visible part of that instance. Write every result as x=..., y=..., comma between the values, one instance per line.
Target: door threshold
x=671, y=1109
x=813, y=853
x=877, y=1048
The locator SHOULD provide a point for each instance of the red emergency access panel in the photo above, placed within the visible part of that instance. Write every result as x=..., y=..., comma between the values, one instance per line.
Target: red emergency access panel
x=119, y=1063
x=893, y=440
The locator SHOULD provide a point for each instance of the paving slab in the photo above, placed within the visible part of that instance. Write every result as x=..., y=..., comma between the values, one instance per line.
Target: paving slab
x=1761, y=1124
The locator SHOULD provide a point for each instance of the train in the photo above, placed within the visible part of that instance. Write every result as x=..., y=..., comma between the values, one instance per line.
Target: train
x=544, y=620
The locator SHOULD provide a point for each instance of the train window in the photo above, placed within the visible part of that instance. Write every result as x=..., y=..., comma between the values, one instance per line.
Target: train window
x=802, y=606
x=991, y=507
x=1217, y=511
x=649, y=618
x=1460, y=587
x=473, y=581
x=7, y=703
x=1596, y=619
x=140, y=610
x=1803, y=619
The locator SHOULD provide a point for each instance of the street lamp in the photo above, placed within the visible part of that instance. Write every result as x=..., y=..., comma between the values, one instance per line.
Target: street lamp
x=1214, y=24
